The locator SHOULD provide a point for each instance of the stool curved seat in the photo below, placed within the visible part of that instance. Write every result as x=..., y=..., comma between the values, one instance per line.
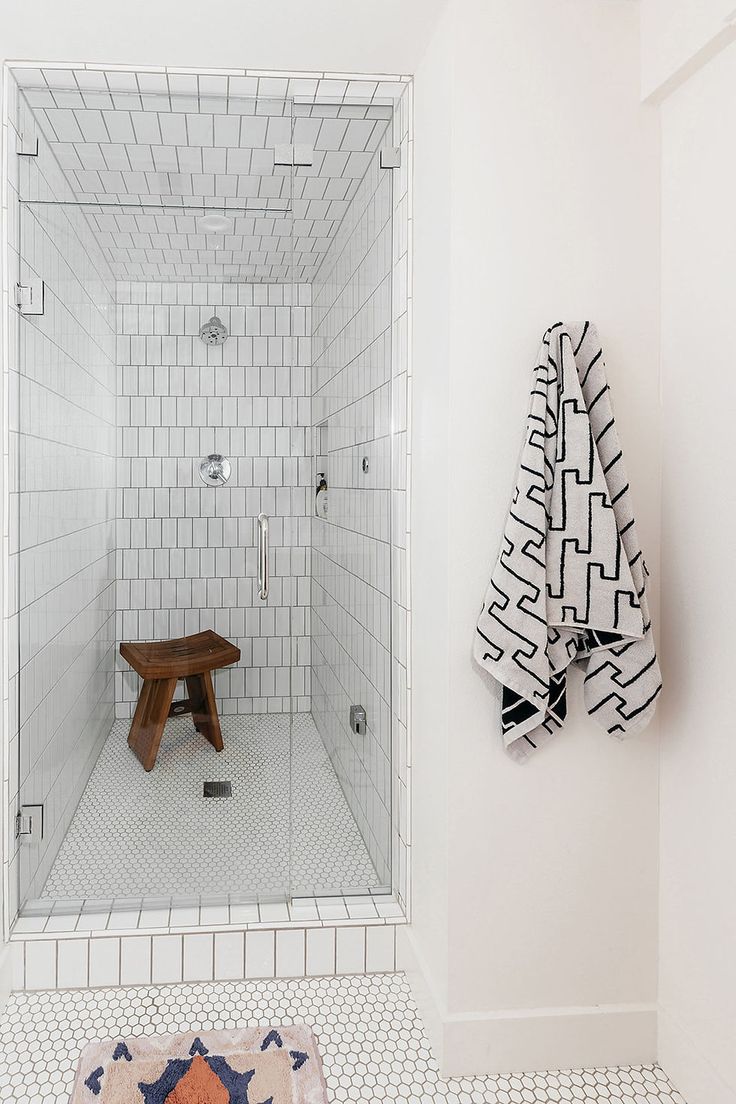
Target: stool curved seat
x=161, y=664
x=189, y=655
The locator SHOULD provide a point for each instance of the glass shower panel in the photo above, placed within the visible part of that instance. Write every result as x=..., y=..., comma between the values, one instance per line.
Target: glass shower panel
x=66, y=476
x=343, y=744
x=269, y=503
x=120, y=538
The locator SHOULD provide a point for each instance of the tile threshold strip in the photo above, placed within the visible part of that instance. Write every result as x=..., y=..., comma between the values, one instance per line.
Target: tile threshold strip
x=89, y=922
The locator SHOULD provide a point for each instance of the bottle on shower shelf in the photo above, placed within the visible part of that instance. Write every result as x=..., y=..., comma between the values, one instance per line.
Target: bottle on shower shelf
x=320, y=502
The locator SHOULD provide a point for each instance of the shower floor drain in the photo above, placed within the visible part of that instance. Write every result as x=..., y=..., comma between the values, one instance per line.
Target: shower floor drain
x=217, y=789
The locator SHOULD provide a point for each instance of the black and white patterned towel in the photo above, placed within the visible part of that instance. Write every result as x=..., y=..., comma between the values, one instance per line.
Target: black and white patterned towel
x=569, y=585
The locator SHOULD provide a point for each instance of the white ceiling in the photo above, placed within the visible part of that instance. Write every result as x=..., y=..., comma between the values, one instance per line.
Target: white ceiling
x=150, y=152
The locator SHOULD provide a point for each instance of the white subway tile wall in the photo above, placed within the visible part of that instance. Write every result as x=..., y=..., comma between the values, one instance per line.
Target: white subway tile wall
x=351, y=551
x=210, y=86
x=186, y=552
x=360, y=595
x=62, y=423
x=147, y=147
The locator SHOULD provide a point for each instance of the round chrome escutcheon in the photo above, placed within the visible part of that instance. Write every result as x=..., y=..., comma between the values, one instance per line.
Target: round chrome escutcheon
x=214, y=470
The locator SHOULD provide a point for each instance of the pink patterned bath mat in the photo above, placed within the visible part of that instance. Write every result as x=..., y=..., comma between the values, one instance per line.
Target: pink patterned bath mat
x=253, y=1065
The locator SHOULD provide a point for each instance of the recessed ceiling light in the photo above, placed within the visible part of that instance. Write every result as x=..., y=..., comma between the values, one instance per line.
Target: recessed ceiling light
x=214, y=224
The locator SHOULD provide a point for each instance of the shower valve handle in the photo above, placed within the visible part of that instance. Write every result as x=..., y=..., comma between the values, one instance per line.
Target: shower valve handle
x=215, y=470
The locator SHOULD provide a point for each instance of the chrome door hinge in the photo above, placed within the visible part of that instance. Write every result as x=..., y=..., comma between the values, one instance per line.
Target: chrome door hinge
x=391, y=157
x=29, y=297
x=29, y=823
x=26, y=147
x=293, y=155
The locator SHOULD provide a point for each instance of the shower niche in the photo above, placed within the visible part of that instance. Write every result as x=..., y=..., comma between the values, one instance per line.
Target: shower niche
x=223, y=261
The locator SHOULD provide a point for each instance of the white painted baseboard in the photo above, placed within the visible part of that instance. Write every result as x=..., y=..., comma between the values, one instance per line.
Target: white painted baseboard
x=687, y=1067
x=550, y=1038
x=524, y=1040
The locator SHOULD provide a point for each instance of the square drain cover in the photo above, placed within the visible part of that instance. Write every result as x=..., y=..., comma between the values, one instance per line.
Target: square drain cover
x=218, y=789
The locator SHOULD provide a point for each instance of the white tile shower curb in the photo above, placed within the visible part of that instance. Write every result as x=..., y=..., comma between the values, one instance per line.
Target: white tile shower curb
x=80, y=960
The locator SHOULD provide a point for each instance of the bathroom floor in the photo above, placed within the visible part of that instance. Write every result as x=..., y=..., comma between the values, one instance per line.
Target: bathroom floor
x=137, y=834
x=370, y=1035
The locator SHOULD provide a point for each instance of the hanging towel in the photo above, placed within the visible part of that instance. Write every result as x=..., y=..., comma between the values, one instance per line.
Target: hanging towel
x=569, y=585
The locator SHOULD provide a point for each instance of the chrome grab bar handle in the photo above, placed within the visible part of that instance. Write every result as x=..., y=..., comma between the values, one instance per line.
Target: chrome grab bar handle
x=262, y=557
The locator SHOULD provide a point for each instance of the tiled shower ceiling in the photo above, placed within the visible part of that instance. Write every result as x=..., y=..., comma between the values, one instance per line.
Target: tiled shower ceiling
x=151, y=154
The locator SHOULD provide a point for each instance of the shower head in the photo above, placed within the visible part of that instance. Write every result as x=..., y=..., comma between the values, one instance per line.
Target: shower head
x=213, y=332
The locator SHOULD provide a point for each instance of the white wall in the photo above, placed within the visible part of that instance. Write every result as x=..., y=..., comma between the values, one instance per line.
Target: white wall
x=430, y=481
x=698, y=769
x=536, y=175
x=548, y=872
x=385, y=36
x=679, y=35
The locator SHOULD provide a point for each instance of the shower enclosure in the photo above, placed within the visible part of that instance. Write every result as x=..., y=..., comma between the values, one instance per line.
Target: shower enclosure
x=211, y=292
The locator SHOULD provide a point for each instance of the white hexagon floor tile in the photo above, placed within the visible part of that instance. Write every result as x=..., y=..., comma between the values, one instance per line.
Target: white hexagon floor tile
x=286, y=827
x=370, y=1035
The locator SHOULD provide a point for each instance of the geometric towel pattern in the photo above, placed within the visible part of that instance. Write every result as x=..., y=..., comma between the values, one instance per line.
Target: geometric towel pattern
x=261, y=1065
x=569, y=585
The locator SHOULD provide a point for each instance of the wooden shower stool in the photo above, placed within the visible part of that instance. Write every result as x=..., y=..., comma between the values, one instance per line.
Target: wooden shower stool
x=161, y=665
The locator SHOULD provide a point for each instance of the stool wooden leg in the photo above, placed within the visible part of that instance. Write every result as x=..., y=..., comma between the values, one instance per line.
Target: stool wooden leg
x=149, y=719
x=204, y=712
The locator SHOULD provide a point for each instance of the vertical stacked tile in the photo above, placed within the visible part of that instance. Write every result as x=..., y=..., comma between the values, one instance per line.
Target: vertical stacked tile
x=187, y=551
x=351, y=547
x=62, y=383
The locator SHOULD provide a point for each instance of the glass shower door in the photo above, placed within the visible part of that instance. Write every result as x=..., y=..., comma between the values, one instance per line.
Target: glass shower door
x=270, y=500
x=187, y=211
x=342, y=666
x=119, y=537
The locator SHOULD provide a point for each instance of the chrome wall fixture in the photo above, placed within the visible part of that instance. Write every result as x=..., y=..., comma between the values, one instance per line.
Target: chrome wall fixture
x=214, y=332
x=262, y=557
x=358, y=720
x=29, y=297
x=215, y=470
